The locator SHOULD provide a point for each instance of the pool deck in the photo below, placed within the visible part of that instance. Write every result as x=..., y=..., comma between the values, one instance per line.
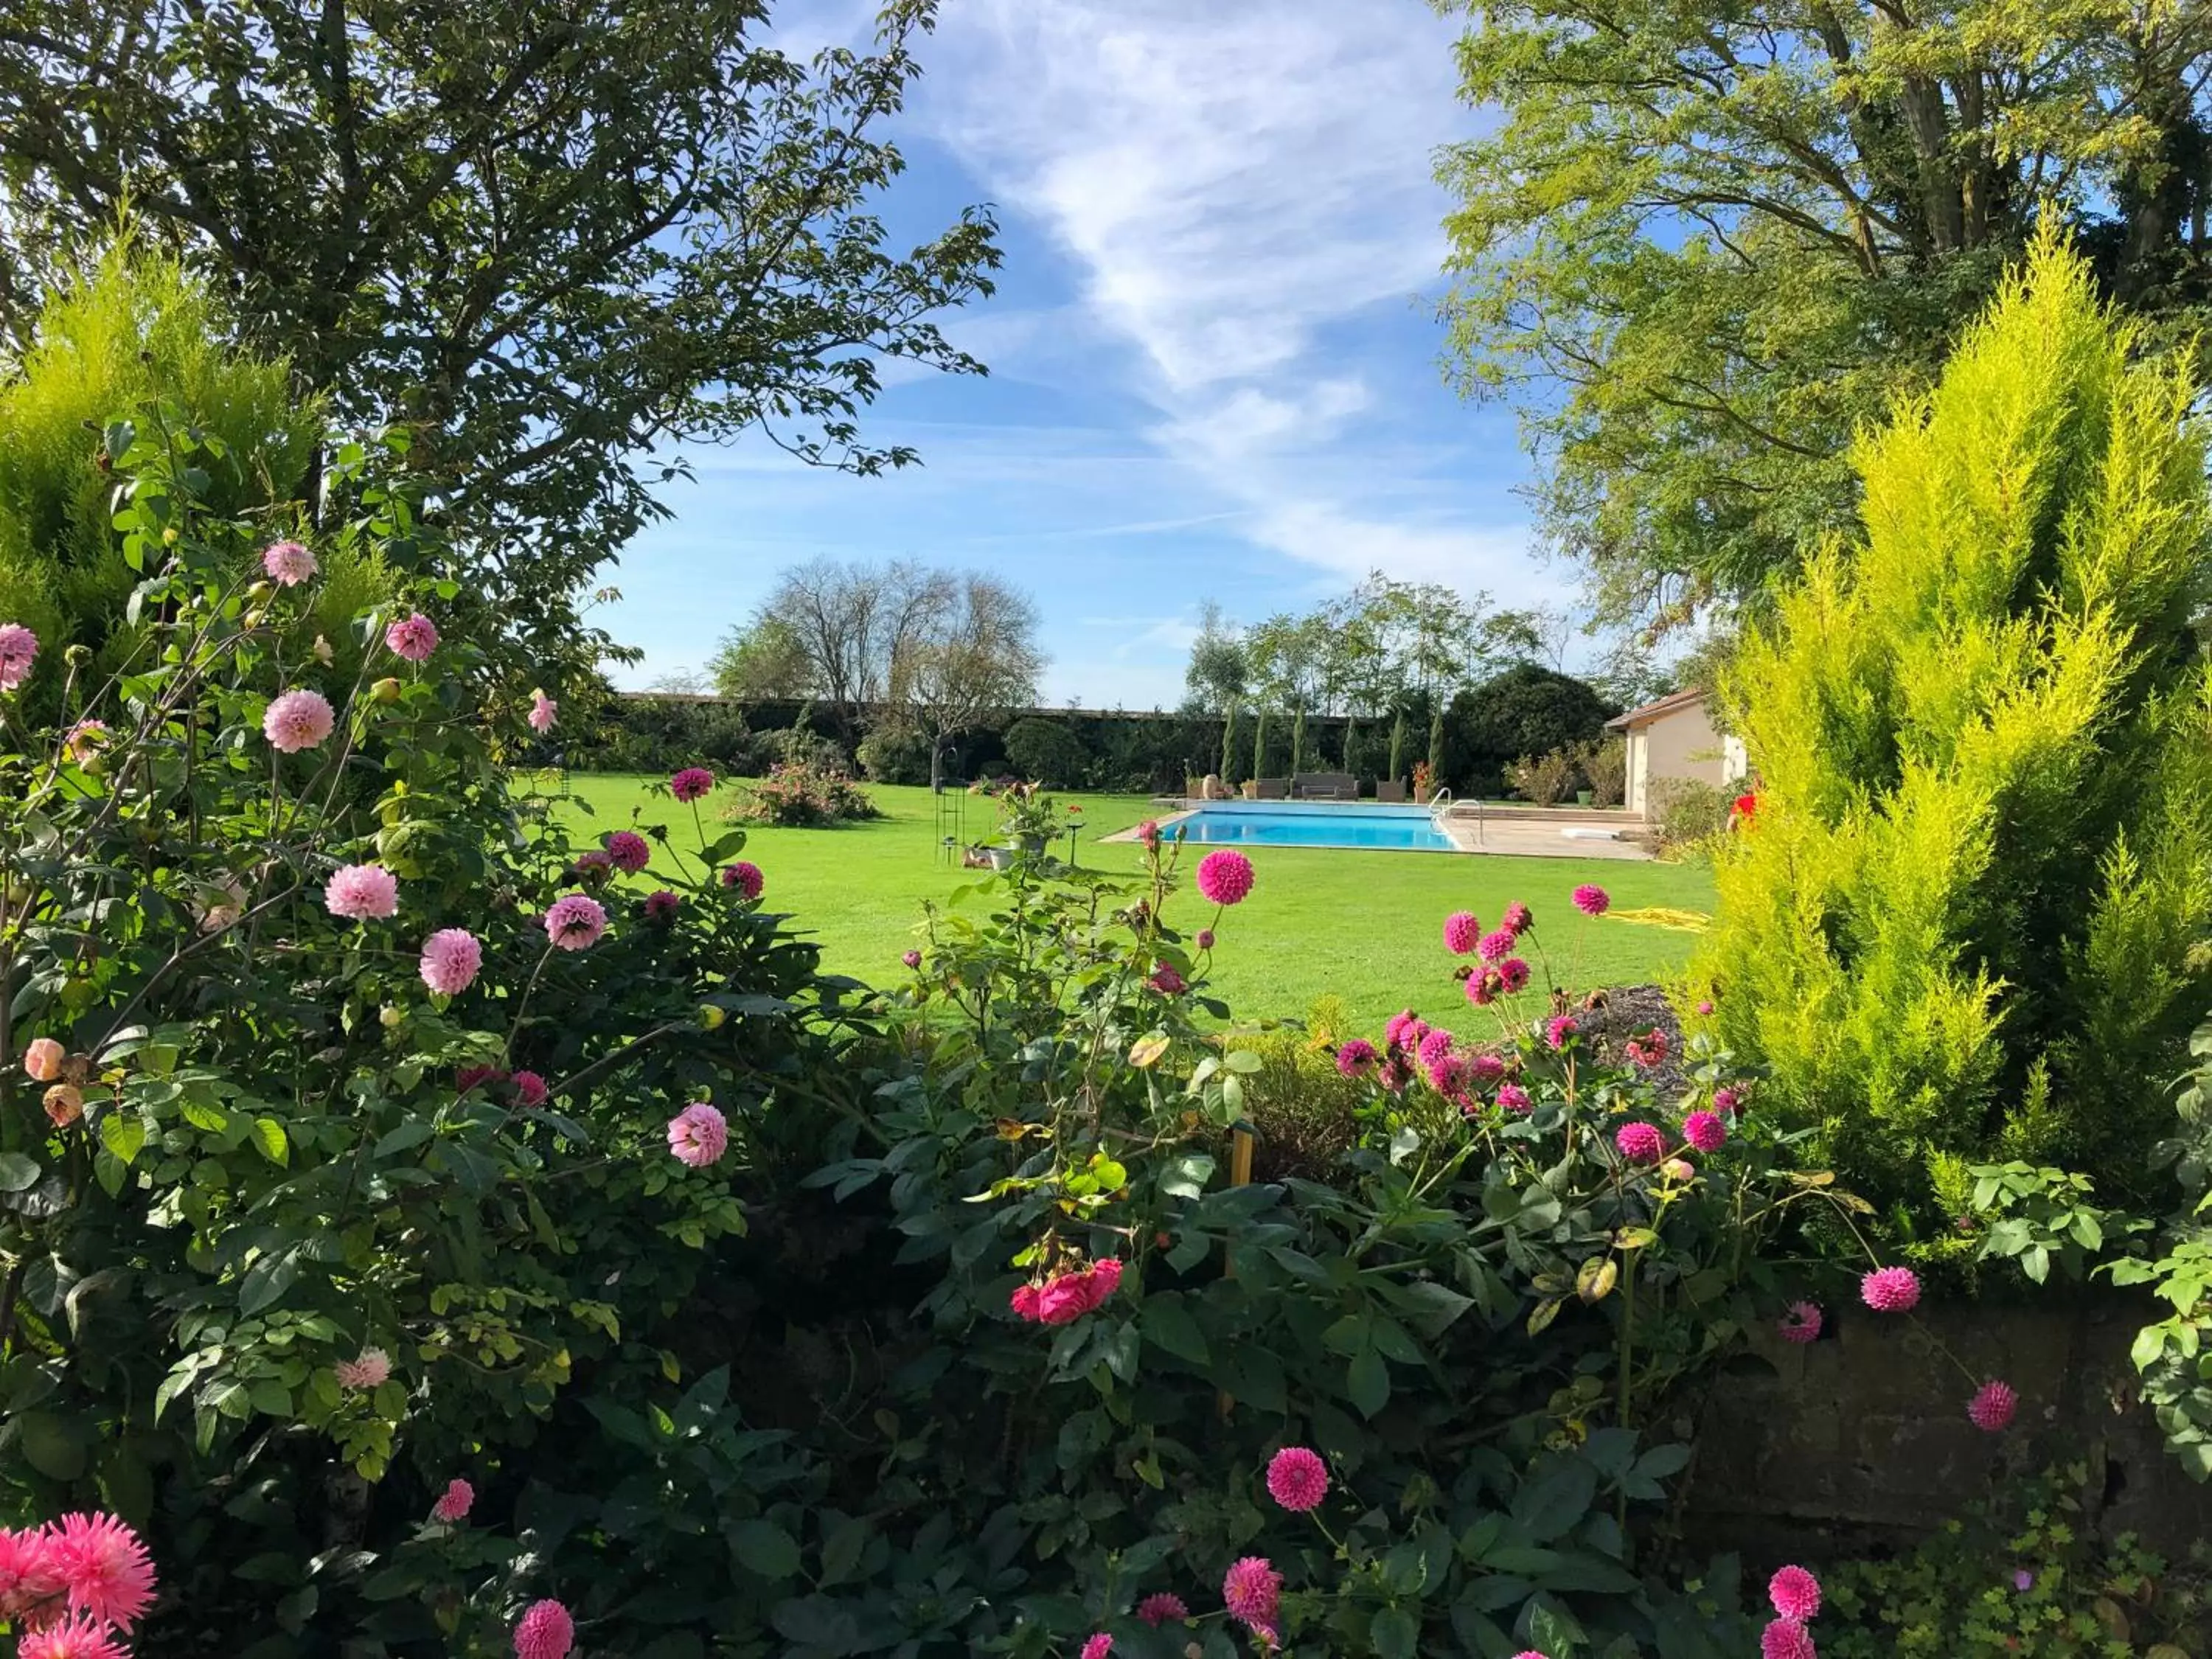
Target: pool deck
x=1508, y=830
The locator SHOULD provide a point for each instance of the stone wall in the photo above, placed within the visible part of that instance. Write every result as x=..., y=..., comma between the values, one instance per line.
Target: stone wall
x=1861, y=1440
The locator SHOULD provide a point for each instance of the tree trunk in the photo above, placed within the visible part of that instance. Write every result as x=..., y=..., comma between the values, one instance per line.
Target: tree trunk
x=936, y=764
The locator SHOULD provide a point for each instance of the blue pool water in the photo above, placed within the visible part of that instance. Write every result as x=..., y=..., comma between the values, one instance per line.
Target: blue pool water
x=1298, y=824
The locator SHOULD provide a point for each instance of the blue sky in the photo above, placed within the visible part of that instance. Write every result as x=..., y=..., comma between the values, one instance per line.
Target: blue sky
x=1214, y=349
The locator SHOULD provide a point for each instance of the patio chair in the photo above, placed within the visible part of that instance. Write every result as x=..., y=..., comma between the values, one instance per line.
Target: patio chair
x=1390, y=793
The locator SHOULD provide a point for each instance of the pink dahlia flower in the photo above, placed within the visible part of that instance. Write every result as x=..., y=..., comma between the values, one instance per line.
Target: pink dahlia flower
x=530, y=1088
x=297, y=721
x=1705, y=1008
x=468, y=1077
x=746, y=878
x=1462, y=932
x=660, y=907
x=1482, y=988
x=1297, y=1478
x=85, y=739
x=1559, y=1028
x=362, y=892
x=1514, y=1098
x=544, y=711
x=1225, y=876
x=413, y=637
x=454, y=1503
x=1167, y=982
x=1403, y=1030
x=1591, y=899
x=698, y=1135
x=1162, y=1608
x=1891, y=1290
x=912, y=958
x=1149, y=832
x=1204, y=939
x=1785, y=1639
x=575, y=923
x=1484, y=1068
x=1704, y=1131
x=1993, y=1406
x=1357, y=1058
x=692, y=783
x=544, y=1632
x=43, y=1059
x=1513, y=975
x=452, y=958
x=594, y=865
x=370, y=1369
x=1726, y=1100
x=1649, y=1050
x=27, y=1573
x=1396, y=1075
x=105, y=1568
x=1100, y=1646
x=1794, y=1593
x=289, y=563
x=1496, y=946
x=1432, y=1048
x=1640, y=1142
x=1802, y=1323
x=629, y=851
x=1517, y=918
x=76, y=1637
x=18, y=645
x=1252, y=1590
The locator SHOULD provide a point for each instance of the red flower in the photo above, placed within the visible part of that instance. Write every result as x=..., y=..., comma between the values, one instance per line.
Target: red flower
x=1746, y=807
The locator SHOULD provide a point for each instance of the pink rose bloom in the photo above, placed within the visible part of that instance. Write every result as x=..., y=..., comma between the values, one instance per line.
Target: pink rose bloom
x=575, y=923
x=746, y=878
x=530, y=1088
x=1163, y=1607
x=362, y=892
x=1461, y=932
x=698, y=1135
x=104, y=1566
x=691, y=783
x=413, y=637
x=468, y=1077
x=545, y=1631
x=629, y=851
x=1027, y=1302
x=78, y=1637
x=288, y=563
x=43, y=1059
x=1224, y=877
x=1802, y=1324
x=543, y=713
x=1065, y=1299
x=454, y=1503
x=1591, y=899
x=297, y=721
x=451, y=959
x=1993, y=1406
x=1149, y=832
x=1890, y=1290
x=18, y=645
x=1104, y=1277
x=1794, y=1593
x=1297, y=1478
x=371, y=1370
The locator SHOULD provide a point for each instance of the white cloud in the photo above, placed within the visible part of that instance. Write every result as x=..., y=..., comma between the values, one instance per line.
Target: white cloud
x=1234, y=184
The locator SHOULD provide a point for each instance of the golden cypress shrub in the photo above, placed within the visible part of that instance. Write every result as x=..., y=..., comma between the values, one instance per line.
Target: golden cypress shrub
x=1969, y=917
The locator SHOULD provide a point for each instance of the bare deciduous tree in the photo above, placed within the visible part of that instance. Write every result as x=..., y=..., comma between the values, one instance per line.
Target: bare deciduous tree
x=972, y=658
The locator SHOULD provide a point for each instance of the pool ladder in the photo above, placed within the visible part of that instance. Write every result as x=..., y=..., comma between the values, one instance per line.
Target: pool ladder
x=1441, y=805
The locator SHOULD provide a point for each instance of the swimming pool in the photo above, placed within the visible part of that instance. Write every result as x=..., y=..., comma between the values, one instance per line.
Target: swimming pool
x=1299, y=823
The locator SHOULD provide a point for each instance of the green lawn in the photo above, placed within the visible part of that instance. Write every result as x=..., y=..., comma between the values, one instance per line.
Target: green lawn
x=1365, y=927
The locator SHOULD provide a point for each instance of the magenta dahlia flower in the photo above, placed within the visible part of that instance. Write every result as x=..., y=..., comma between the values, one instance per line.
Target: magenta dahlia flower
x=530, y=1088
x=544, y=711
x=1482, y=988
x=1225, y=876
x=1991, y=1408
x=1704, y=1131
x=297, y=721
x=1515, y=1098
x=1252, y=1590
x=1297, y=1478
x=1403, y=1030
x=1802, y=1323
x=1518, y=918
x=1100, y=1646
x=691, y=784
x=370, y=1369
x=1496, y=945
x=1726, y=1100
x=1640, y=1142
x=452, y=958
x=289, y=563
x=1162, y=1608
x=745, y=877
x=1433, y=1047
x=1167, y=982
x=362, y=892
x=544, y=1632
x=698, y=1135
x=1785, y=1639
x=18, y=645
x=1357, y=1058
x=1891, y=1290
x=629, y=851
x=660, y=907
x=106, y=1569
x=413, y=637
x=575, y=923
x=454, y=1503
x=1462, y=932
x=1559, y=1028
x=912, y=958
x=1513, y=975
x=1484, y=1068
x=1204, y=938
x=1591, y=899
x=78, y=1637
x=1794, y=1593
x=1704, y=1008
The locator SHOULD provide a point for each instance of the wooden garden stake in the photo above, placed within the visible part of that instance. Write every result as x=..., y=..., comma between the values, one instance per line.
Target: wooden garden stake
x=1240, y=1175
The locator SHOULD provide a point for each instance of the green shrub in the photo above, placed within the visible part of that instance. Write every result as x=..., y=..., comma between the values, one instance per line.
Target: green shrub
x=795, y=795
x=1546, y=779
x=894, y=752
x=1525, y=710
x=1965, y=918
x=1605, y=769
x=1045, y=752
x=1686, y=813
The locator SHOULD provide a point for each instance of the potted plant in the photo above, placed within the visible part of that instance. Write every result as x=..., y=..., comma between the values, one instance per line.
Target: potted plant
x=1424, y=780
x=1029, y=819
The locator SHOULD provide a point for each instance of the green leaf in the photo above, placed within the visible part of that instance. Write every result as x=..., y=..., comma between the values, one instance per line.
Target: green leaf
x=1167, y=1324
x=1555, y=1498
x=413, y=1133
x=1395, y=1634
x=51, y=1444
x=268, y=1136
x=763, y=1547
x=1662, y=1460
x=124, y=1136
x=1367, y=1382
x=17, y=1173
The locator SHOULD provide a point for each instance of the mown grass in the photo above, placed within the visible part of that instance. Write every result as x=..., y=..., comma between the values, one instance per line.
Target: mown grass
x=1359, y=926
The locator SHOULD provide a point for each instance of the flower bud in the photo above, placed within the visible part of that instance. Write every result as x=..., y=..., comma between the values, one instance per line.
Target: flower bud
x=389, y=1018
x=324, y=655
x=1678, y=1169
x=710, y=1017
x=65, y=1104
x=169, y=536
x=386, y=690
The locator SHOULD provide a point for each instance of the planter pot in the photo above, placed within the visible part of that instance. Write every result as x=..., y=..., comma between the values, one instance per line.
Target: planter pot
x=1002, y=858
x=1582, y=798
x=1251, y=790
